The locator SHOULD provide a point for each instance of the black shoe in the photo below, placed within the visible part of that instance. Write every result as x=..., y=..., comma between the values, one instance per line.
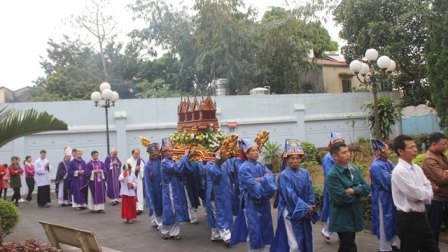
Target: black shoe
x=227, y=243
x=395, y=248
x=139, y=212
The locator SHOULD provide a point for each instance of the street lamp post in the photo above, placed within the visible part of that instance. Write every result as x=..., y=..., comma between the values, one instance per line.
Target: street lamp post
x=385, y=65
x=109, y=97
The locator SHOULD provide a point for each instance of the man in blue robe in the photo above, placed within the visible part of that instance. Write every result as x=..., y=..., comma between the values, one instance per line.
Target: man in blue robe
x=175, y=209
x=219, y=199
x=327, y=164
x=235, y=163
x=96, y=174
x=78, y=182
x=257, y=186
x=113, y=166
x=383, y=210
x=296, y=203
x=193, y=189
x=153, y=184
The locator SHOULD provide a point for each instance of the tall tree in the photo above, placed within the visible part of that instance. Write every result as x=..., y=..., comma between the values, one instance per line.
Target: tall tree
x=221, y=39
x=437, y=57
x=284, y=47
x=100, y=26
x=72, y=73
x=397, y=28
x=212, y=39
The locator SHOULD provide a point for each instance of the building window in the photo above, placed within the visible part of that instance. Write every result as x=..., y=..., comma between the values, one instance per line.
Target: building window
x=346, y=86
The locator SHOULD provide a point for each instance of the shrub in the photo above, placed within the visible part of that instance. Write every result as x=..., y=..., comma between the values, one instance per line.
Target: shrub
x=271, y=154
x=420, y=140
x=419, y=159
x=366, y=204
x=313, y=169
x=321, y=152
x=388, y=116
x=28, y=245
x=310, y=150
x=363, y=140
x=363, y=168
x=319, y=195
x=10, y=216
x=393, y=157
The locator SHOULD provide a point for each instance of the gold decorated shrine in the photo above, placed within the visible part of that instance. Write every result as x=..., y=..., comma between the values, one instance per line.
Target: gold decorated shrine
x=197, y=130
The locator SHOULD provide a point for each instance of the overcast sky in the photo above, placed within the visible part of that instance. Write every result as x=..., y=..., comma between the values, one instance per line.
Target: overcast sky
x=27, y=26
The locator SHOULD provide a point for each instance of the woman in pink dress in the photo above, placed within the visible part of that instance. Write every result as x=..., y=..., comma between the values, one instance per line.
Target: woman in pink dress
x=5, y=179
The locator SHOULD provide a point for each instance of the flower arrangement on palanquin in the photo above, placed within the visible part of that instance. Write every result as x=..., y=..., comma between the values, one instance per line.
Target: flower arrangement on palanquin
x=229, y=147
x=197, y=130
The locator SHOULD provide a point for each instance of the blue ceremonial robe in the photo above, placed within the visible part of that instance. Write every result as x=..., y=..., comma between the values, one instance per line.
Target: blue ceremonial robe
x=193, y=184
x=97, y=186
x=327, y=164
x=153, y=186
x=380, y=175
x=254, y=197
x=235, y=164
x=113, y=185
x=77, y=183
x=219, y=190
x=172, y=174
x=296, y=194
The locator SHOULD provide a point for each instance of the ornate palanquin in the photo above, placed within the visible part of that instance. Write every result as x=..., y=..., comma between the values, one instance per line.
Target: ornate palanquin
x=200, y=116
x=197, y=115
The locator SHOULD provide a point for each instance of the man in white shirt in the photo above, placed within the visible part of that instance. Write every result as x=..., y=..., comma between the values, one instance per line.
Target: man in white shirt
x=42, y=177
x=411, y=190
x=137, y=165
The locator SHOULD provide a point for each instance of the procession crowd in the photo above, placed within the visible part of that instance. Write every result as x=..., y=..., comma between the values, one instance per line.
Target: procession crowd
x=409, y=203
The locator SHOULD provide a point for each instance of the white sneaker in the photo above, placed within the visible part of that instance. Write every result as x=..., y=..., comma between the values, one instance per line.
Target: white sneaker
x=21, y=200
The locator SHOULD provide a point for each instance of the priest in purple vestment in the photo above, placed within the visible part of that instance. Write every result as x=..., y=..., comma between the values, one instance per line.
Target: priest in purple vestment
x=77, y=182
x=113, y=164
x=62, y=178
x=96, y=174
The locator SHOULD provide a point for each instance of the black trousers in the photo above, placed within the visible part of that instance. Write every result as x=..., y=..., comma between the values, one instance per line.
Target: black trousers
x=347, y=242
x=438, y=213
x=30, y=183
x=16, y=196
x=414, y=233
x=43, y=195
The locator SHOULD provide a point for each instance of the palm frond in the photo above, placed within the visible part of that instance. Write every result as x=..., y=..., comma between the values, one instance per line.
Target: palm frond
x=15, y=124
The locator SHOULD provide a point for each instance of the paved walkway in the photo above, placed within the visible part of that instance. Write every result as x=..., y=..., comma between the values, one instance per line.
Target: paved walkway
x=112, y=232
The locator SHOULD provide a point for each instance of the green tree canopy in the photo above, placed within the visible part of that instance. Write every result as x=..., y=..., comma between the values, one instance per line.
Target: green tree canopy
x=74, y=70
x=437, y=56
x=222, y=39
x=397, y=28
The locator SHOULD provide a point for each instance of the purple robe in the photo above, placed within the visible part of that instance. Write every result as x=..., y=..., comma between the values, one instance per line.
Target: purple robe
x=61, y=172
x=113, y=185
x=77, y=182
x=97, y=186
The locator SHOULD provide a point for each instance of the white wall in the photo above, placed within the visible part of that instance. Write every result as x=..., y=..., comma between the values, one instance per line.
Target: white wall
x=308, y=117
